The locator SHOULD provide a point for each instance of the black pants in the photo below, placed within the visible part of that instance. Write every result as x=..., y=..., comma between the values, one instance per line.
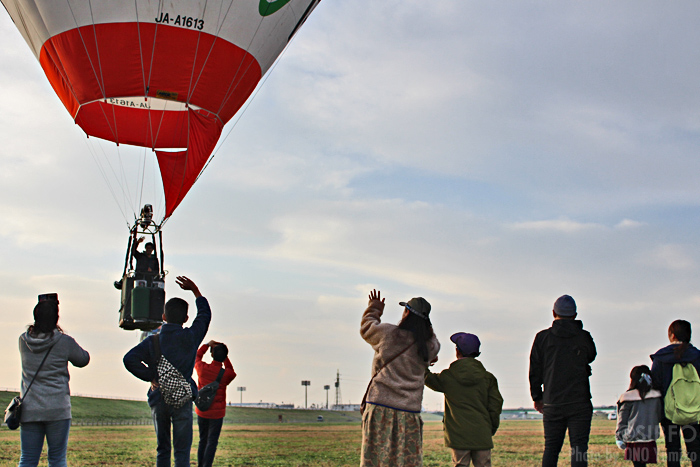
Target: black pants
x=576, y=418
x=672, y=435
x=209, y=431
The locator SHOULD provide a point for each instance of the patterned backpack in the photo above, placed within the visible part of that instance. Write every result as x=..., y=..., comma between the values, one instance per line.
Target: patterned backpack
x=174, y=388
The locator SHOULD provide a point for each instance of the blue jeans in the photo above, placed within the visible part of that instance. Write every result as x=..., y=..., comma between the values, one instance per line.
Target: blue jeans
x=32, y=436
x=181, y=420
x=209, y=431
x=557, y=419
x=672, y=435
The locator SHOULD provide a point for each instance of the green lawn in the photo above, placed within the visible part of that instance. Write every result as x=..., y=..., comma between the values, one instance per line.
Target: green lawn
x=254, y=437
x=518, y=444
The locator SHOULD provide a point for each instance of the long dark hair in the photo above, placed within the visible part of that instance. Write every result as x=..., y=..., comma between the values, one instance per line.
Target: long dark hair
x=422, y=331
x=681, y=331
x=640, y=379
x=45, y=318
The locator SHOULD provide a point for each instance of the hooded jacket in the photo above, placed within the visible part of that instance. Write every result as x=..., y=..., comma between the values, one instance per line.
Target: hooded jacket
x=49, y=397
x=560, y=360
x=399, y=385
x=207, y=373
x=472, y=404
x=663, y=361
x=637, y=419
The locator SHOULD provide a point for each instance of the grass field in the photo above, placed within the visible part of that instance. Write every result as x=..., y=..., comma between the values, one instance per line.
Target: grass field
x=253, y=437
x=518, y=444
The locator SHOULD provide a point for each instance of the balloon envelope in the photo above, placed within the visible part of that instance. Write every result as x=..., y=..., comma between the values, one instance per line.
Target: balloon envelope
x=162, y=75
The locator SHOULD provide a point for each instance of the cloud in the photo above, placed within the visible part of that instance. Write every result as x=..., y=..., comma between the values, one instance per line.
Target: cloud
x=629, y=224
x=489, y=156
x=558, y=225
x=673, y=257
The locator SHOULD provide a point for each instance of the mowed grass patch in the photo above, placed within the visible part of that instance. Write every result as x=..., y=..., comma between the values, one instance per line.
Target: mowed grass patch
x=517, y=444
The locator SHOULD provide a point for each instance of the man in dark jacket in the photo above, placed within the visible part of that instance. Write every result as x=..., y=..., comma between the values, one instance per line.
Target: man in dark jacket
x=560, y=360
x=179, y=346
x=472, y=403
x=147, y=265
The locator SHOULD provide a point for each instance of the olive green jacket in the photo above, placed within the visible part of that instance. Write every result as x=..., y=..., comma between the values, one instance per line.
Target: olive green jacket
x=472, y=404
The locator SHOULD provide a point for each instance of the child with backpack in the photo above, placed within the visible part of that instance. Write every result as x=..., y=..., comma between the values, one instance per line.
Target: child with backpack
x=639, y=411
x=674, y=371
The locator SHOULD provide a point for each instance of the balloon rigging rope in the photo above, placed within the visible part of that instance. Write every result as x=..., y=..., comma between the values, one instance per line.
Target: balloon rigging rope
x=101, y=78
x=113, y=128
x=248, y=101
x=229, y=93
x=206, y=60
x=138, y=30
x=101, y=169
x=191, y=89
x=245, y=107
x=150, y=73
x=92, y=65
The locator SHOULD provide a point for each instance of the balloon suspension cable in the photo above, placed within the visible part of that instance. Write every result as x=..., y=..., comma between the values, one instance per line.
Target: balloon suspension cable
x=247, y=104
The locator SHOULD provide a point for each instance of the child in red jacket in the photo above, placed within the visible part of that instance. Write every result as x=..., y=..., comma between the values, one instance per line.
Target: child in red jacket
x=211, y=420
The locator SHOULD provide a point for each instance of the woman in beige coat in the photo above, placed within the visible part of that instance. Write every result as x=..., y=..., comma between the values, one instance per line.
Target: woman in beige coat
x=392, y=430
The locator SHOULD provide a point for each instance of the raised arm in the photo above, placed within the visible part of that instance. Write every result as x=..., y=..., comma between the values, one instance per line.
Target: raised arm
x=186, y=283
x=229, y=373
x=371, y=328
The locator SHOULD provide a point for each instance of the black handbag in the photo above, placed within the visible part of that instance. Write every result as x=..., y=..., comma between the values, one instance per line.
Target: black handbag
x=13, y=412
x=206, y=395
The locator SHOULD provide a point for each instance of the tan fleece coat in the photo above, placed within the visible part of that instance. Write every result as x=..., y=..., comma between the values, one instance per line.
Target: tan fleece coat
x=400, y=384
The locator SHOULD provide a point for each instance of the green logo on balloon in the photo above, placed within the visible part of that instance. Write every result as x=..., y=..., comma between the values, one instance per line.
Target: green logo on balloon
x=268, y=7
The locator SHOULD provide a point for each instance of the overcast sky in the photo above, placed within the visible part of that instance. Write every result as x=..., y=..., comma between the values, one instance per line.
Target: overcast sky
x=488, y=156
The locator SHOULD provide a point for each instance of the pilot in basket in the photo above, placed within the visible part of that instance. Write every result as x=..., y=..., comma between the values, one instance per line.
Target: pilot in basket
x=143, y=285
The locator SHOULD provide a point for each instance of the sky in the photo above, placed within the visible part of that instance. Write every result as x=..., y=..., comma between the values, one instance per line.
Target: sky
x=488, y=156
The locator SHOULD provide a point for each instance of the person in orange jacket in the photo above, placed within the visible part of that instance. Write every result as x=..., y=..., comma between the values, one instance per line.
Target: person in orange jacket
x=210, y=421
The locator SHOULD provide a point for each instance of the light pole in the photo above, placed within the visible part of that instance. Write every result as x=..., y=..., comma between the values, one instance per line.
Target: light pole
x=326, y=387
x=241, y=389
x=306, y=385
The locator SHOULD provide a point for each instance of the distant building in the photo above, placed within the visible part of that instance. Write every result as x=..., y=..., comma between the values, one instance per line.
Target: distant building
x=261, y=405
x=346, y=407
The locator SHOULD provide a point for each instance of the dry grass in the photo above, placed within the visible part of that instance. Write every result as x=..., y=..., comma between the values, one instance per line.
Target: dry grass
x=518, y=444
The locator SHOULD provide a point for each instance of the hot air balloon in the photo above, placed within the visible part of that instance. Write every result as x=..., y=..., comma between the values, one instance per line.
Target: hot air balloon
x=164, y=75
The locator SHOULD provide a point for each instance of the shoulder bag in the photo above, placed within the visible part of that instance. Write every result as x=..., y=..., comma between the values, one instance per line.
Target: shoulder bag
x=13, y=412
x=205, y=396
x=174, y=388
